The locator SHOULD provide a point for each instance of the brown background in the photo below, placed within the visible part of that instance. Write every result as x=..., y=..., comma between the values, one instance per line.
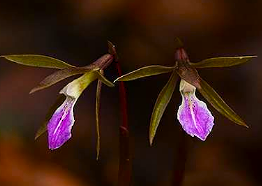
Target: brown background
x=144, y=31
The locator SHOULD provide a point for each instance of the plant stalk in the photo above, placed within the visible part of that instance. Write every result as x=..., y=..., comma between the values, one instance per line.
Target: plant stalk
x=125, y=158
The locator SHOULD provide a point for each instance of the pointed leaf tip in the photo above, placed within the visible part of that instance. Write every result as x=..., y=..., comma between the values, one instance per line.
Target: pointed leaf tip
x=178, y=43
x=222, y=61
x=111, y=48
x=151, y=139
x=110, y=45
x=37, y=61
x=161, y=103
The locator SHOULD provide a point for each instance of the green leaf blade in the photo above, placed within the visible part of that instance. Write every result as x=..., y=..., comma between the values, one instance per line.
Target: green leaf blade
x=145, y=72
x=98, y=104
x=103, y=79
x=161, y=103
x=218, y=103
x=58, y=76
x=222, y=62
x=37, y=61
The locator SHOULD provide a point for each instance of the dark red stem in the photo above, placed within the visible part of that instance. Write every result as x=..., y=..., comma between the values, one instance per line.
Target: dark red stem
x=125, y=165
x=181, y=149
x=123, y=100
x=180, y=160
x=125, y=158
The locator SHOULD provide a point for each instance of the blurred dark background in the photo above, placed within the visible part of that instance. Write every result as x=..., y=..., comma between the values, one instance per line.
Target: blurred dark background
x=143, y=31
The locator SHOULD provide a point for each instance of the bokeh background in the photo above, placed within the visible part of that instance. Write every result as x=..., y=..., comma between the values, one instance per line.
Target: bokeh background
x=143, y=31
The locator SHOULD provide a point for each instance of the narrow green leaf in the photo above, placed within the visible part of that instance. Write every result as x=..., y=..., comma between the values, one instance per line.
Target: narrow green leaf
x=98, y=96
x=161, y=104
x=218, y=103
x=37, y=61
x=222, y=61
x=52, y=109
x=59, y=76
x=104, y=80
x=145, y=72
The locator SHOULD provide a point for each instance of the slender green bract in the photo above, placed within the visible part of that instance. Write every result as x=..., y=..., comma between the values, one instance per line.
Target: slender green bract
x=58, y=76
x=222, y=61
x=145, y=72
x=37, y=61
x=218, y=103
x=103, y=79
x=161, y=104
x=98, y=103
x=65, y=73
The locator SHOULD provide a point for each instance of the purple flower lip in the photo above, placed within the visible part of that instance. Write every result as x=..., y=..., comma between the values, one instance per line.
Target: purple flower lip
x=193, y=114
x=60, y=125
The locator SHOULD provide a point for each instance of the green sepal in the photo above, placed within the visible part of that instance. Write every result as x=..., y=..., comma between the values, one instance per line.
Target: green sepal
x=103, y=79
x=37, y=61
x=66, y=73
x=98, y=103
x=145, y=72
x=59, y=76
x=222, y=62
x=42, y=129
x=218, y=103
x=161, y=104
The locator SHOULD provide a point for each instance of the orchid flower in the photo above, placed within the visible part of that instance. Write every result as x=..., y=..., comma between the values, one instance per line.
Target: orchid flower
x=193, y=114
x=60, y=120
x=60, y=125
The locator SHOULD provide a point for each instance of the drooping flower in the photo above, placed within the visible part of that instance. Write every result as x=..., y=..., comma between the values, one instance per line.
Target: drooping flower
x=193, y=114
x=60, y=125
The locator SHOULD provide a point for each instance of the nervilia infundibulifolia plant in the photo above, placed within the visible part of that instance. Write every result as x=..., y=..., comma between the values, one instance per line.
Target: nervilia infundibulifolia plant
x=193, y=114
x=60, y=119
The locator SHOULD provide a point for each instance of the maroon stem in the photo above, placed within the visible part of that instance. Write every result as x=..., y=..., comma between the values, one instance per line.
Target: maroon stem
x=123, y=100
x=181, y=150
x=180, y=160
x=125, y=160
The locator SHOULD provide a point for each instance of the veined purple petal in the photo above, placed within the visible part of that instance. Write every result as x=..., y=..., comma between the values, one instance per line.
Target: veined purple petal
x=61, y=123
x=194, y=116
